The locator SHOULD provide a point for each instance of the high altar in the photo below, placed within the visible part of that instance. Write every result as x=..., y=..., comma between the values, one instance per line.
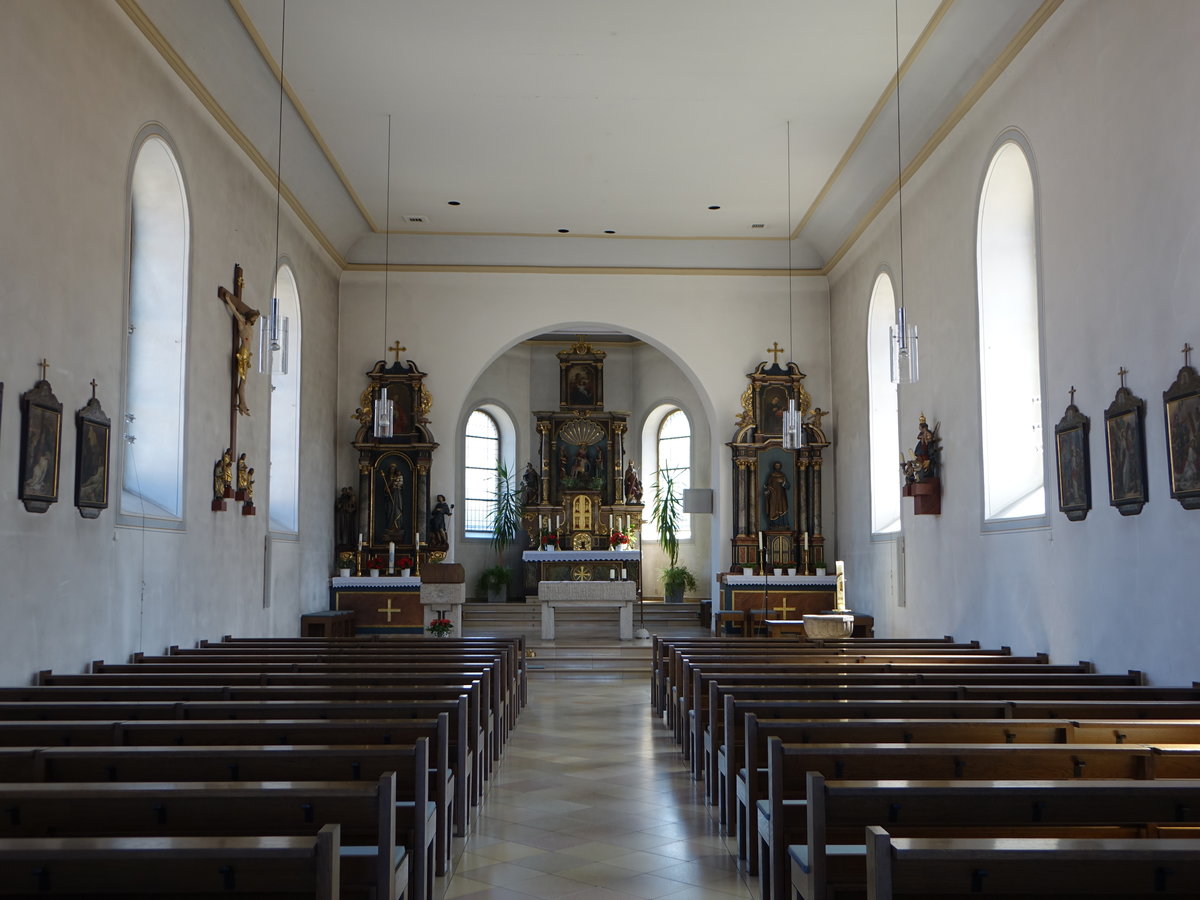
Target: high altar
x=585, y=488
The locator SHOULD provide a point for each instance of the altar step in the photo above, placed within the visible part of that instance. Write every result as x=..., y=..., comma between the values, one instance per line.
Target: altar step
x=586, y=646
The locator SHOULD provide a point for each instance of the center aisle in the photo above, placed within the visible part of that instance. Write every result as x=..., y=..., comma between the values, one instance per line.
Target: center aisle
x=592, y=800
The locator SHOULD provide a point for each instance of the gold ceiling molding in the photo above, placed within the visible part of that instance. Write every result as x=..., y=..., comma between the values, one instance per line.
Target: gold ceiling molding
x=873, y=115
x=577, y=270
x=986, y=80
x=189, y=78
x=265, y=53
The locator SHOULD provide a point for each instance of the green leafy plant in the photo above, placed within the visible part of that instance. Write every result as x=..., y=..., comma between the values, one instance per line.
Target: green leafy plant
x=504, y=519
x=667, y=513
x=493, y=578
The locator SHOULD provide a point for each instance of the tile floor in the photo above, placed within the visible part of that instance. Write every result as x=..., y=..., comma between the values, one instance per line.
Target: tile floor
x=592, y=800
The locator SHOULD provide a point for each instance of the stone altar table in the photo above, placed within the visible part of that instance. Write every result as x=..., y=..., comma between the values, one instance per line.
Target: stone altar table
x=587, y=594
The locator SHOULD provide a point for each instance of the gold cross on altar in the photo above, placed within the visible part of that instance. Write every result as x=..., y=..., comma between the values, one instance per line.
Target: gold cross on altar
x=396, y=349
x=1122, y=372
x=43, y=365
x=783, y=607
x=1187, y=353
x=776, y=350
x=581, y=573
x=389, y=609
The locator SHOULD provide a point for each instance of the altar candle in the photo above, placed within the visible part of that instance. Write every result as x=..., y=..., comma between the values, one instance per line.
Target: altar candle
x=360, y=542
x=624, y=575
x=839, y=568
x=417, y=545
x=760, y=546
x=391, y=557
x=806, y=540
x=610, y=523
x=612, y=574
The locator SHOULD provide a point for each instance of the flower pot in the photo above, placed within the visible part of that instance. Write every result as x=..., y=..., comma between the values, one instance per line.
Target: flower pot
x=498, y=594
x=621, y=547
x=374, y=573
x=343, y=573
x=778, y=572
x=549, y=547
x=791, y=570
x=405, y=573
x=747, y=570
x=673, y=595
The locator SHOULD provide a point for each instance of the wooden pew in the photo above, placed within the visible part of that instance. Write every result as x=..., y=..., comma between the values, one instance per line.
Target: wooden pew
x=748, y=786
x=838, y=812
x=287, y=867
x=373, y=861
x=781, y=818
x=1029, y=867
x=449, y=793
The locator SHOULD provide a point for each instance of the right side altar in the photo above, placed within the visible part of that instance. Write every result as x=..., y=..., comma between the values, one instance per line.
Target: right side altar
x=778, y=554
x=587, y=493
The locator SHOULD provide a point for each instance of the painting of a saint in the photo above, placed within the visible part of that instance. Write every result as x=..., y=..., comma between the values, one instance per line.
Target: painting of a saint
x=1072, y=471
x=93, y=464
x=581, y=388
x=41, y=456
x=1183, y=436
x=1126, y=480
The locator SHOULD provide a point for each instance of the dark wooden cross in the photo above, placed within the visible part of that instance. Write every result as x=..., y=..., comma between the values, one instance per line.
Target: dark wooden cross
x=93, y=383
x=1072, y=395
x=396, y=350
x=776, y=350
x=1122, y=372
x=43, y=365
x=1187, y=354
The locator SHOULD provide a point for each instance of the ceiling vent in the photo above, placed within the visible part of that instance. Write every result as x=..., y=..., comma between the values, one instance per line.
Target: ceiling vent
x=759, y=225
x=416, y=220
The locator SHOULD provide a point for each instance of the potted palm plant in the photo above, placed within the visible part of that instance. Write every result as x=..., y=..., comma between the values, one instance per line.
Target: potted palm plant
x=504, y=518
x=666, y=514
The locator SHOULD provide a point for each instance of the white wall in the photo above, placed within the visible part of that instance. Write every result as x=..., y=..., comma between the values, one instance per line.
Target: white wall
x=79, y=83
x=712, y=329
x=1100, y=93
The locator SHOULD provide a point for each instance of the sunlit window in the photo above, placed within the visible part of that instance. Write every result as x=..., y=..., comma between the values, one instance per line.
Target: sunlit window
x=152, y=482
x=884, y=411
x=668, y=438
x=1009, y=341
x=283, y=348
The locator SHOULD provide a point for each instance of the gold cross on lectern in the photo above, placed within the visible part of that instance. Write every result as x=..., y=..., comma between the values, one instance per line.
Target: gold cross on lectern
x=776, y=350
x=783, y=607
x=389, y=609
x=397, y=350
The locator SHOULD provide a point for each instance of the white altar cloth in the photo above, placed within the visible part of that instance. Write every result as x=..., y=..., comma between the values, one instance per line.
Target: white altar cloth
x=582, y=594
x=383, y=581
x=579, y=555
x=784, y=580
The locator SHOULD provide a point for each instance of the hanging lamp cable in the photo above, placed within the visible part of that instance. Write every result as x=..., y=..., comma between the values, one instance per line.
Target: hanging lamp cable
x=899, y=160
x=387, y=236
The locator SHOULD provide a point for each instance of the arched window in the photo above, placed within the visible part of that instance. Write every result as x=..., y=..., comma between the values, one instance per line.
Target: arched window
x=1009, y=340
x=667, y=441
x=884, y=410
x=152, y=482
x=489, y=440
x=284, y=349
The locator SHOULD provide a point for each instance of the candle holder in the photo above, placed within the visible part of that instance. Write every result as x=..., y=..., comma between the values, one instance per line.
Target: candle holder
x=358, y=561
x=805, y=559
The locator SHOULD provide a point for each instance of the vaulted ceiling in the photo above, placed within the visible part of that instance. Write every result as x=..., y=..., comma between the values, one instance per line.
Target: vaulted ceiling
x=589, y=132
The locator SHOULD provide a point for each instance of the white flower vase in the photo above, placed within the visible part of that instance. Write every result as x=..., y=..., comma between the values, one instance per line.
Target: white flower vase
x=374, y=573
x=344, y=573
x=405, y=573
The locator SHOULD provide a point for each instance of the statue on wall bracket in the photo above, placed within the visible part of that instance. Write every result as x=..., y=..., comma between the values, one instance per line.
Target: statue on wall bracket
x=777, y=491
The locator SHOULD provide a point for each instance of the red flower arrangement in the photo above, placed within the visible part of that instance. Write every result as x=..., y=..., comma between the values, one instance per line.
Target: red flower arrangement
x=549, y=537
x=440, y=627
x=375, y=562
x=617, y=538
x=404, y=562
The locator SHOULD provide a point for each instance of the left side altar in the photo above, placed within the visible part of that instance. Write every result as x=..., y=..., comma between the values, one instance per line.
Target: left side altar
x=389, y=523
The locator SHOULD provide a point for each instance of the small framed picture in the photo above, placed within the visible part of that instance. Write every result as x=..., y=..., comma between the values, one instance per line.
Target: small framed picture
x=1181, y=412
x=1125, y=438
x=1074, y=467
x=41, y=434
x=92, y=430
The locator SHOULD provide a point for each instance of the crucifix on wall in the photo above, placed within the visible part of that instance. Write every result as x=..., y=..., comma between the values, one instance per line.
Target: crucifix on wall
x=243, y=330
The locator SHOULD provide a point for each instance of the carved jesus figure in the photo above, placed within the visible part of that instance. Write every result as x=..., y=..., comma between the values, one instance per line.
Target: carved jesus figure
x=243, y=322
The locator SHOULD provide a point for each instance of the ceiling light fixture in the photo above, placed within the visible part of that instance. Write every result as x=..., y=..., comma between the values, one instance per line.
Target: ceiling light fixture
x=383, y=407
x=903, y=335
x=793, y=428
x=273, y=333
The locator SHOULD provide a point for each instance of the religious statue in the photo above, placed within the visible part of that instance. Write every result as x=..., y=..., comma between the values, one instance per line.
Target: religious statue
x=633, y=485
x=393, y=485
x=243, y=475
x=345, y=511
x=437, y=522
x=223, y=475
x=532, y=485
x=250, y=486
x=775, y=491
x=243, y=322
x=925, y=457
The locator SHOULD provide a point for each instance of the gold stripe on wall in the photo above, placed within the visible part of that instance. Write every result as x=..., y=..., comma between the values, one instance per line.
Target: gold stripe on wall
x=189, y=78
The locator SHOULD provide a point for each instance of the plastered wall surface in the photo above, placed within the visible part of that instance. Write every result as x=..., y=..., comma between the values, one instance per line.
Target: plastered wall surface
x=80, y=84
x=1098, y=94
